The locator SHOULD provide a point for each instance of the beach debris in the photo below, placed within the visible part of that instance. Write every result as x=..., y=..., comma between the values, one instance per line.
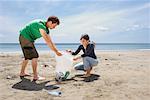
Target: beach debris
x=62, y=76
x=8, y=77
x=78, y=84
x=106, y=59
x=45, y=65
x=141, y=65
x=55, y=93
x=11, y=77
x=51, y=87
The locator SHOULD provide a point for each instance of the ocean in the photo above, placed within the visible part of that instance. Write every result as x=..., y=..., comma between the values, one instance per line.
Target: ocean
x=15, y=47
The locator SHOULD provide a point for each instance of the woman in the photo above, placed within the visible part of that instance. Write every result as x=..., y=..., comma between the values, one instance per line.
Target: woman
x=89, y=56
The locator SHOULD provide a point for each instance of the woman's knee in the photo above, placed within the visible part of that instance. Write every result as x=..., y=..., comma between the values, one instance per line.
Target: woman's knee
x=86, y=59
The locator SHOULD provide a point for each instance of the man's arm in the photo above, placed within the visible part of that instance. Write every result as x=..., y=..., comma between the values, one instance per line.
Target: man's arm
x=49, y=41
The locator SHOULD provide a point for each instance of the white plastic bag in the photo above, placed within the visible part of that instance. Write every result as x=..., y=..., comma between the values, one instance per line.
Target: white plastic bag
x=64, y=65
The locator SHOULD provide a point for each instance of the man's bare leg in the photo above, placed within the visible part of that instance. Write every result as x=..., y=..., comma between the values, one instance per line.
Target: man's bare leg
x=34, y=67
x=24, y=65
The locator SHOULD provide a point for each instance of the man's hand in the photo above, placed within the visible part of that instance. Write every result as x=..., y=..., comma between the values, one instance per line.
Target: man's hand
x=58, y=53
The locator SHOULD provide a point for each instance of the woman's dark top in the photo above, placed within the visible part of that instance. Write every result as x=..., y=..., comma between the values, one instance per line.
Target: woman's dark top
x=88, y=52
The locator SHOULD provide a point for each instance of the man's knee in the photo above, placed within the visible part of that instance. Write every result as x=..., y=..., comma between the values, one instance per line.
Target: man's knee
x=25, y=60
x=34, y=59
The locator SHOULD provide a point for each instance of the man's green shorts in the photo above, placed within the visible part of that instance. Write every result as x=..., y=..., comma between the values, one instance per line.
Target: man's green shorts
x=28, y=48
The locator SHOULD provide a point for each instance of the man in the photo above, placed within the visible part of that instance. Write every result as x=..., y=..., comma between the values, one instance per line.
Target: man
x=32, y=31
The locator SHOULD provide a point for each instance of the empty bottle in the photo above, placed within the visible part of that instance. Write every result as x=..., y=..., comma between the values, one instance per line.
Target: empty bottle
x=55, y=93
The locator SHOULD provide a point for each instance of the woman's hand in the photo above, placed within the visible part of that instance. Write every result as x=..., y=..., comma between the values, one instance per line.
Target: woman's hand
x=69, y=51
x=75, y=59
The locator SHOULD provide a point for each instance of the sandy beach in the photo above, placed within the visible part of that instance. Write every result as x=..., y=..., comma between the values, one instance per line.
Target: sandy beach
x=120, y=75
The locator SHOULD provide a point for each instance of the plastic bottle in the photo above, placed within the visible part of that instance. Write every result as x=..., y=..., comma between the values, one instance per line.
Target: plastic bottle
x=66, y=75
x=55, y=93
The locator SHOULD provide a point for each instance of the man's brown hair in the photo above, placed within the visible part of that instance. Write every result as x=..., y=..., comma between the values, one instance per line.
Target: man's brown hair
x=54, y=19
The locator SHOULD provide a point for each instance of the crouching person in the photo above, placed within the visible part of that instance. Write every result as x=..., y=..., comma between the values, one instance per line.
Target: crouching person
x=89, y=57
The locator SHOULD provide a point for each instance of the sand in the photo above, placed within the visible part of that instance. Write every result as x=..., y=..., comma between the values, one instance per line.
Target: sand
x=120, y=75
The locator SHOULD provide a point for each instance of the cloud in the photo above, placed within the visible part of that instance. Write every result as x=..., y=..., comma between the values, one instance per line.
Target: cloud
x=8, y=25
x=133, y=27
x=97, y=24
x=1, y=35
x=85, y=18
x=102, y=28
x=9, y=29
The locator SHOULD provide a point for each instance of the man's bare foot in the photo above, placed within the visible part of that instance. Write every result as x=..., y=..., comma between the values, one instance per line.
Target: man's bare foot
x=39, y=78
x=24, y=74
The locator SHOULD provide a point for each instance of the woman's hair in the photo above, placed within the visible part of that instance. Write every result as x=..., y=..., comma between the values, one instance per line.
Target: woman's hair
x=54, y=19
x=85, y=36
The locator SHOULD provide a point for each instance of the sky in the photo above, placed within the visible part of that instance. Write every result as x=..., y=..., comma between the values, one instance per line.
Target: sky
x=106, y=21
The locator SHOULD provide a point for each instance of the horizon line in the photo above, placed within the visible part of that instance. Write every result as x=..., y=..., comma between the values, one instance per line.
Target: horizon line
x=77, y=43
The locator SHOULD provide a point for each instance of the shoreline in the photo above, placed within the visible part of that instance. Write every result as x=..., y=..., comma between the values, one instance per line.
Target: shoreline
x=50, y=51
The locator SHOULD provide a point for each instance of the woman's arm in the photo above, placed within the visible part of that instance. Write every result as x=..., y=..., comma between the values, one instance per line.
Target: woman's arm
x=77, y=51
